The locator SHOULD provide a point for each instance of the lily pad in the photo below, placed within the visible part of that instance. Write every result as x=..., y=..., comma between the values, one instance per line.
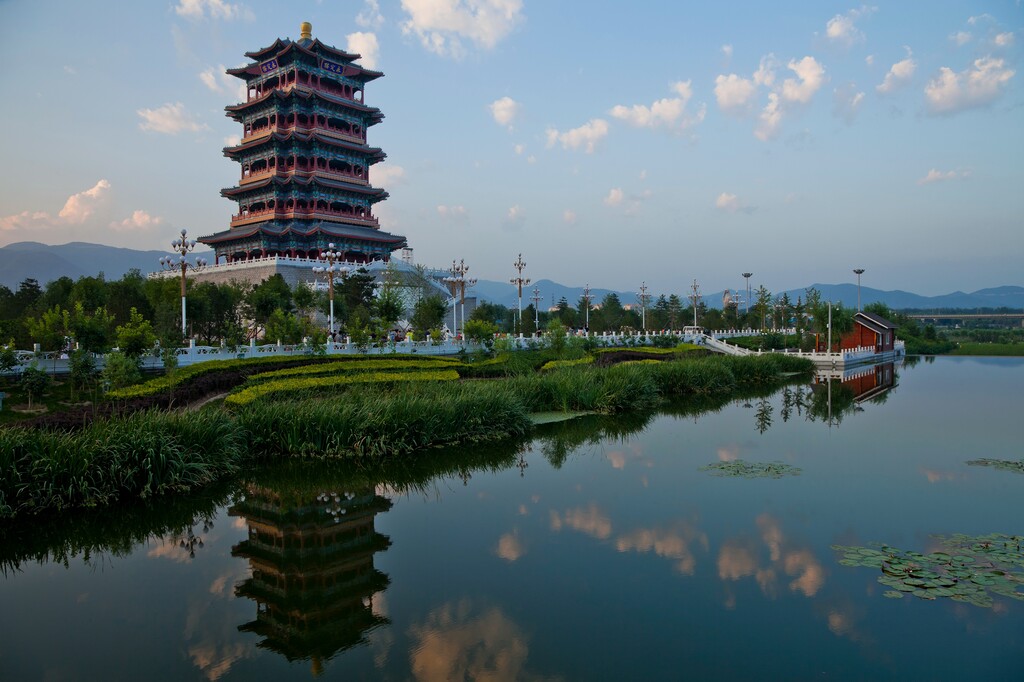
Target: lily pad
x=741, y=469
x=892, y=594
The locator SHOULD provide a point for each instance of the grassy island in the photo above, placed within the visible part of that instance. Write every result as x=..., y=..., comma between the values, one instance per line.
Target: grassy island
x=350, y=408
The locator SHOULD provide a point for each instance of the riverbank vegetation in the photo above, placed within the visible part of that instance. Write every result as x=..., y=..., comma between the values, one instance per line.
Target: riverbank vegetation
x=376, y=415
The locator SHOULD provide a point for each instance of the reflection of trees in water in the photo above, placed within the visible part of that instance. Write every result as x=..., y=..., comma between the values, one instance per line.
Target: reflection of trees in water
x=763, y=415
x=112, y=531
x=560, y=440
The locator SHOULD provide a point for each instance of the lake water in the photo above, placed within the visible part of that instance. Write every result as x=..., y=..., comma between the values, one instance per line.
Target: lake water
x=598, y=549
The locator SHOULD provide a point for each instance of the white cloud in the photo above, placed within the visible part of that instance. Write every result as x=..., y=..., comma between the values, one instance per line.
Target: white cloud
x=981, y=17
x=232, y=140
x=950, y=92
x=27, y=220
x=734, y=93
x=219, y=81
x=170, y=119
x=727, y=51
x=586, y=136
x=443, y=25
x=365, y=45
x=453, y=213
x=765, y=74
x=669, y=113
x=846, y=102
x=80, y=207
x=727, y=202
x=935, y=175
x=515, y=217
x=370, y=17
x=138, y=220
x=387, y=174
x=615, y=197
x=70, y=70
x=960, y=38
x=519, y=149
x=1004, y=39
x=505, y=111
x=899, y=75
x=842, y=28
x=770, y=119
x=531, y=159
x=870, y=60
x=569, y=217
x=214, y=9
x=811, y=77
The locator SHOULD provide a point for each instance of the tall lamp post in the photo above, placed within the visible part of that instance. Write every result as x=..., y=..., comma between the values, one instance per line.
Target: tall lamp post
x=858, y=272
x=536, y=308
x=695, y=298
x=519, y=281
x=644, y=298
x=747, y=276
x=330, y=257
x=458, y=283
x=586, y=301
x=183, y=246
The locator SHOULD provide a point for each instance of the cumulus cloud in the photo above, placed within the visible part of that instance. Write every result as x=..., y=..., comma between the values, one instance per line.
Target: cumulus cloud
x=846, y=102
x=80, y=207
x=443, y=26
x=979, y=18
x=842, y=29
x=734, y=94
x=366, y=46
x=138, y=220
x=770, y=119
x=26, y=220
x=196, y=10
x=899, y=75
x=615, y=197
x=669, y=113
x=170, y=119
x=453, y=213
x=977, y=86
x=960, y=38
x=385, y=174
x=935, y=175
x=1004, y=39
x=220, y=82
x=505, y=111
x=370, y=17
x=810, y=77
x=232, y=140
x=587, y=136
x=765, y=74
x=727, y=202
x=569, y=217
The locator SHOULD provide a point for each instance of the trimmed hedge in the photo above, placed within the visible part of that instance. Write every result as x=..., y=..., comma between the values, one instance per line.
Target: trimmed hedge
x=328, y=368
x=294, y=387
x=559, y=364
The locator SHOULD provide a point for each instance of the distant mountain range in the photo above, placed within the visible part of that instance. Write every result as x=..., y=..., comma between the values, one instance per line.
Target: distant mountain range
x=45, y=263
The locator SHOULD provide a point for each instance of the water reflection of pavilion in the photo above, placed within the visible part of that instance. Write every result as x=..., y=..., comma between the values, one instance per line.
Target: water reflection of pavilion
x=313, y=578
x=866, y=382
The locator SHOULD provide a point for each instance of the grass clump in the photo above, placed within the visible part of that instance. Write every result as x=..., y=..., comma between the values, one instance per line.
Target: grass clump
x=296, y=386
x=330, y=368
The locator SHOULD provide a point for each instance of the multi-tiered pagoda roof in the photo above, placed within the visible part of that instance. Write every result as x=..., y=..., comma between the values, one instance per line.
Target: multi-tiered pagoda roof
x=305, y=162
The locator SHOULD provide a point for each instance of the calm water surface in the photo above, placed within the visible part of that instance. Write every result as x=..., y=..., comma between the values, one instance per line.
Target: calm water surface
x=597, y=550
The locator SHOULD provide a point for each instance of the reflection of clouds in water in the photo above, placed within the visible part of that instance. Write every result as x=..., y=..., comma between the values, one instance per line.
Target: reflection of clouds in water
x=728, y=453
x=618, y=459
x=934, y=476
x=739, y=559
x=169, y=549
x=381, y=639
x=459, y=642
x=523, y=511
x=634, y=451
x=671, y=543
x=590, y=521
x=214, y=660
x=510, y=547
x=213, y=646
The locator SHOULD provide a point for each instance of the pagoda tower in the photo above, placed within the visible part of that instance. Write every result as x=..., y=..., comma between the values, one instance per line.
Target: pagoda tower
x=305, y=163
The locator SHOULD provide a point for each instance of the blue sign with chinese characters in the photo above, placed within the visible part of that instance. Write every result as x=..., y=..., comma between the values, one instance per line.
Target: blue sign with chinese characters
x=268, y=66
x=332, y=67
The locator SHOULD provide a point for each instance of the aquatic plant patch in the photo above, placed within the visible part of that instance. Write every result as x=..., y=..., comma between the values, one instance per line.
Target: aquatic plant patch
x=969, y=569
x=739, y=468
x=1003, y=464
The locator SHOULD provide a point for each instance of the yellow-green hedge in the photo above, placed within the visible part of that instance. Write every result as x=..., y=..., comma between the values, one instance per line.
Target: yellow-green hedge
x=301, y=385
x=558, y=364
x=354, y=366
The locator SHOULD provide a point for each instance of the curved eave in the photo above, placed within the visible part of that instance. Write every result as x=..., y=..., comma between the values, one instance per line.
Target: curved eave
x=252, y=145
x=230, y=192
x=316, y=49
x=325, y=227
x=274, y=47
x=239, y=108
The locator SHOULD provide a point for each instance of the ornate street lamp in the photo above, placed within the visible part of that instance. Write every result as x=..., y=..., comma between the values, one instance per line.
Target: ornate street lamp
x=519, y=282
x=747, y=276
x=859, y=272
x=458, y=283
x=536, y=307
x=330, y=257
x=586, y=297
x=183, y=246
x=644, y=298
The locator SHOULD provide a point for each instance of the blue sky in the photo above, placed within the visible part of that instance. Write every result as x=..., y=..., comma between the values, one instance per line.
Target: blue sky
x=609, y=142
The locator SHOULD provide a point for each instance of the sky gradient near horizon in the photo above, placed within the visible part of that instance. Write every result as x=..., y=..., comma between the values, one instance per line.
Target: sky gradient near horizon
x=608, y=143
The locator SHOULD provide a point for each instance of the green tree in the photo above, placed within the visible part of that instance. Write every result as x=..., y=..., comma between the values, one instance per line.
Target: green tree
x=135, y=337
x=428, y=313
x=481, y=331
x=612, y=313
x=762, y=304
x=94, y=333
x=34, y=382
x=51, y=330
x=674, y=308
x=91, y=292
x=388, y=305
x=127, y=293
x=269, y=295
x=356, y=290
x=285, y=327
x=119, y=370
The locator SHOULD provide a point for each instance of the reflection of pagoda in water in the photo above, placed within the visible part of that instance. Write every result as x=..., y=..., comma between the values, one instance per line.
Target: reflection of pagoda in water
x=313, y=578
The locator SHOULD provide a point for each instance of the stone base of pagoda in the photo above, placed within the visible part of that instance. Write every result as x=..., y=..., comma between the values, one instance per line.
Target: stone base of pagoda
x=254, y=271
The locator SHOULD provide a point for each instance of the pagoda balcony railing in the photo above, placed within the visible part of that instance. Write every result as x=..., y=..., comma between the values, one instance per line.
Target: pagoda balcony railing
x=307, y=214
x=263, y=131
x=344, y=177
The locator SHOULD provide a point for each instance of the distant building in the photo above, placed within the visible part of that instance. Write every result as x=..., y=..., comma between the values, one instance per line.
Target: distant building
x=870, y=330
x=305, y=164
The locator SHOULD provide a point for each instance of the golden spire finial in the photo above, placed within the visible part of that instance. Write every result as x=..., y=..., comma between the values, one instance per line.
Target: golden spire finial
x=306, y=30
